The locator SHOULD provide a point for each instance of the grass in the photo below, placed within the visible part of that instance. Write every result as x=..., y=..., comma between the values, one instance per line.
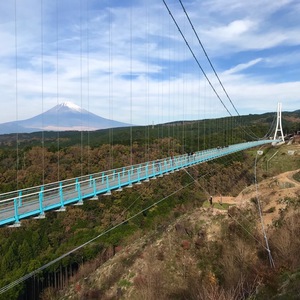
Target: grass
x=223, y=206
x=281, y=161
x=124, y=283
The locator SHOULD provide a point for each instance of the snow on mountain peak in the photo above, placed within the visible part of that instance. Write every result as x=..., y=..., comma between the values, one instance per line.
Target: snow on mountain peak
x=71, y=105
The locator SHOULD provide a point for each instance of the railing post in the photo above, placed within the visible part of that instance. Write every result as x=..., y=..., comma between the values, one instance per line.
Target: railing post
x=61, y=196
x=138, y=174
x=20, y=198
x=147, y=172
x=76, y=184
x=119, y=182
x=157, y=168
x=153, y=171
x=41, y=199
x=94, y=187
x=107, y=183
x=17, y=221
x=78, y=189
x=108, y=192
x=129, y=179
x=160, y=170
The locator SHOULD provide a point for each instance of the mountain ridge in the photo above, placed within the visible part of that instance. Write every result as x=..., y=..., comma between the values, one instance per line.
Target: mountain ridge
x=65, y=116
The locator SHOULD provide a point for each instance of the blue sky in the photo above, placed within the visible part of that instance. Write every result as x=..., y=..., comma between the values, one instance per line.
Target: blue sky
x=125, y=60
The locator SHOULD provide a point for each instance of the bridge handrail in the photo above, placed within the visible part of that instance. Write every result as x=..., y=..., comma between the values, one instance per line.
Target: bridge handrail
x=80, y=179
x=107, y=173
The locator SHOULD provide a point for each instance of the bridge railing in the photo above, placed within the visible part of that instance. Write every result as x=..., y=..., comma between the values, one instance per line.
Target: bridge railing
x=35, y=201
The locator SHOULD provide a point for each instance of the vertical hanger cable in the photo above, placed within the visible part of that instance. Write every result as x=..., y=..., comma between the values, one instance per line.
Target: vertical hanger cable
x=81, y=91
x=88, y=78
x=110, y=89
x=131, y=150
x=57, y=96
x=42, y=93
x=17, y=94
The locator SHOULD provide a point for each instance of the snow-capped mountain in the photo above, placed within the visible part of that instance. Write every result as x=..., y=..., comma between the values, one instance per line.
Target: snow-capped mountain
x=62, y=117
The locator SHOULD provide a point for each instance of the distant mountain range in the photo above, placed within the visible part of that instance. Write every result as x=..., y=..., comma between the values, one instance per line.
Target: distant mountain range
x=62, y=117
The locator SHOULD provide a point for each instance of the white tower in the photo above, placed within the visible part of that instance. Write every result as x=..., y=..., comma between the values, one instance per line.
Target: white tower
x=279, y=136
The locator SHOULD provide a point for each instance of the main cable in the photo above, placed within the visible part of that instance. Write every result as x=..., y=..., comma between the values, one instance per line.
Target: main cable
x=207, y=56
x=215, y=72
x=193, y=54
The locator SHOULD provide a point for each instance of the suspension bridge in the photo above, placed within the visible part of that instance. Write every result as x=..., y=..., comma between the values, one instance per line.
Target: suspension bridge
x=35, y=202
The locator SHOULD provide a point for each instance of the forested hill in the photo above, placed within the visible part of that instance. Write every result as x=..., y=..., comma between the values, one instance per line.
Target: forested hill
x=28, y=160
x=191, y=130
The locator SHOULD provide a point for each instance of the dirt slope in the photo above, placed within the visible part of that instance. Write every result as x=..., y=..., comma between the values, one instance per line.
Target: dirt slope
x=143, y=262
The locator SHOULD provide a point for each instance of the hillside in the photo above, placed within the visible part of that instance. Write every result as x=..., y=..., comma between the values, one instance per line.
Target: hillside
x=207, y=252
x=191, y=134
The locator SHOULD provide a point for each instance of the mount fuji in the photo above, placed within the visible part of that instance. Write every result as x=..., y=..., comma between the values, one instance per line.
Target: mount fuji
x=66, y=116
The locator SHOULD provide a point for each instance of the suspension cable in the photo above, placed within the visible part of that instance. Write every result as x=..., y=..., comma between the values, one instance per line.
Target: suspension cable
x=147, y=128
x=81, y=91
x=197, y=182
x=199, y=65
x=252, y=135
x=25, y=277
x=42, y=93
x=110, y=89
x=261, y=216
x=207, y=56
x=17, y=93
x=268, y=134
x=265, y=247
x=88, y=78
x=57, y=96
x=131, y=74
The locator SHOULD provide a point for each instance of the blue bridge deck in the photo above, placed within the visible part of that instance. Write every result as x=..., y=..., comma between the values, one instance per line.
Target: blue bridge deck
x=35, y=201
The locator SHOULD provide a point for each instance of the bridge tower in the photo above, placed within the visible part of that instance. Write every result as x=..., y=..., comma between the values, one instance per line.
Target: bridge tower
x=278, y=129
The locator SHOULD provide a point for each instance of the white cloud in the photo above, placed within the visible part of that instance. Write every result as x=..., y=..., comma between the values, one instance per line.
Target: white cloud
x=234, y=29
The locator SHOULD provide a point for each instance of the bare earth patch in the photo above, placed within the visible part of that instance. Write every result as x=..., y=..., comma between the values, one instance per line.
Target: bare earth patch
x=273, y=193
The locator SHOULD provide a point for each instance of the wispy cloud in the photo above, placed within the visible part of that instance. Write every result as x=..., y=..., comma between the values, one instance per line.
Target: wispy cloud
x=243, y=66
